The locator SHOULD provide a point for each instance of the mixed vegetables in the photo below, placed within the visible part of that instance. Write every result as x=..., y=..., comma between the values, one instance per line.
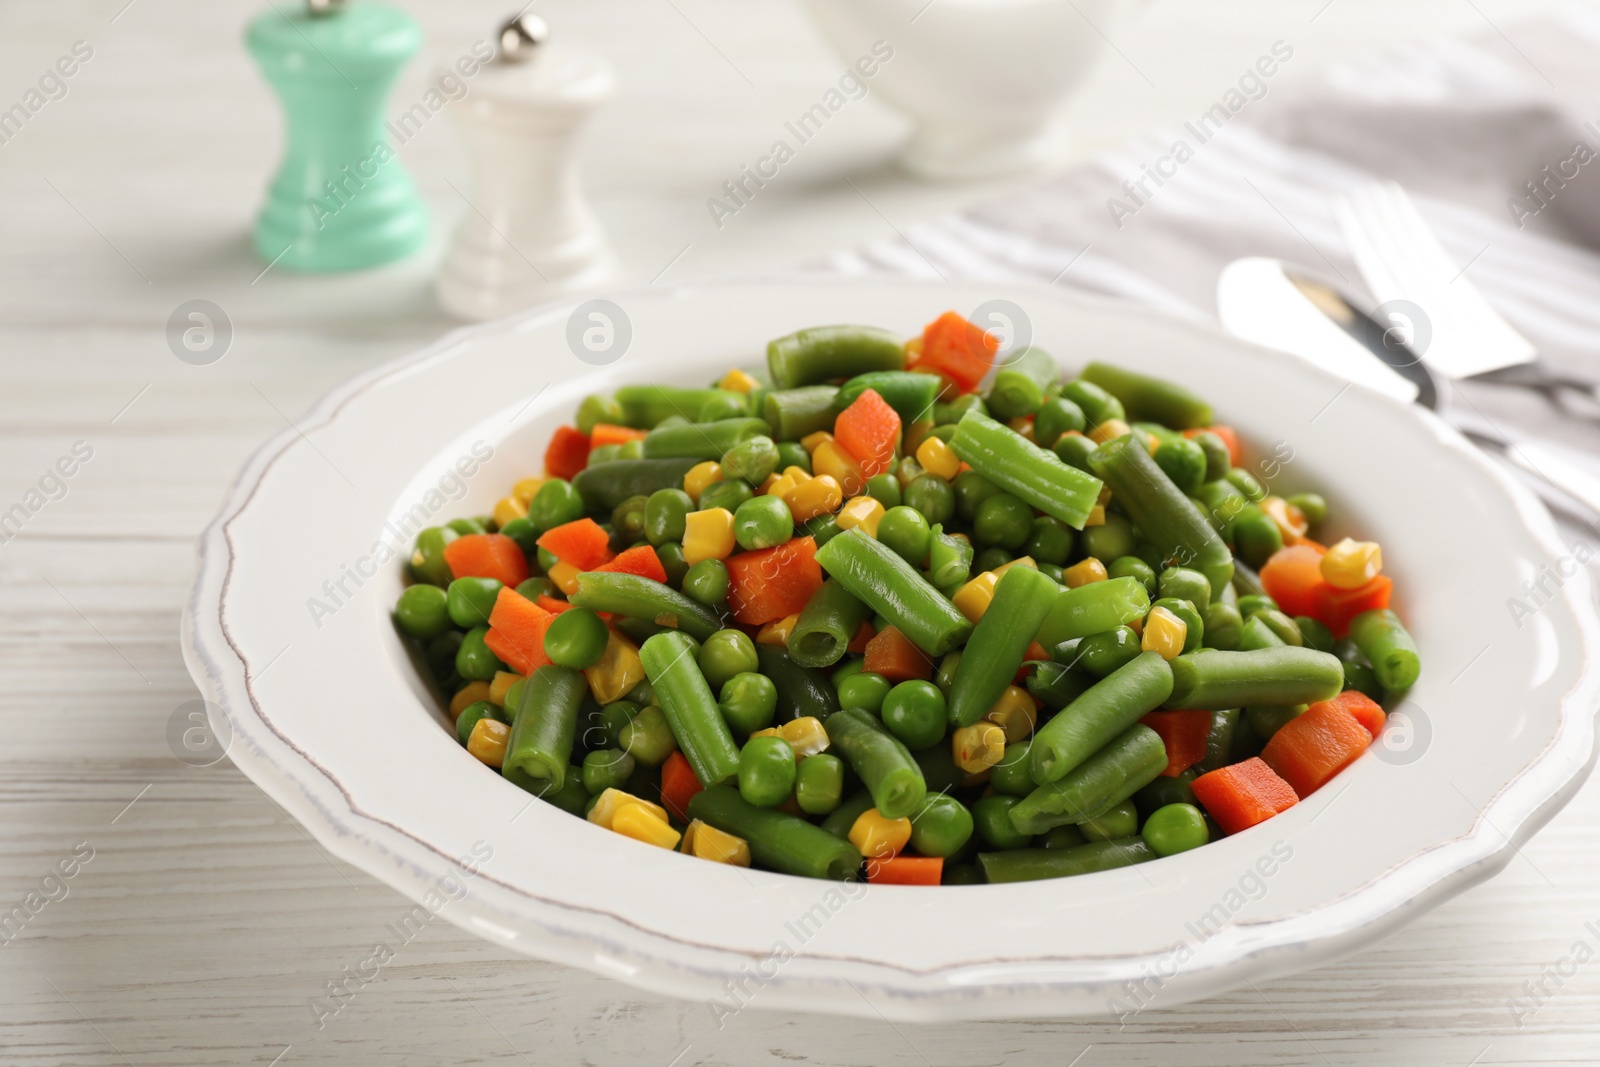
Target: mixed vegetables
x=870, y=617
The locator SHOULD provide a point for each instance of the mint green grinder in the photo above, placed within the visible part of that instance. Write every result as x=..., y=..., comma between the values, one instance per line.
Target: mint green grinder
x=340, y=200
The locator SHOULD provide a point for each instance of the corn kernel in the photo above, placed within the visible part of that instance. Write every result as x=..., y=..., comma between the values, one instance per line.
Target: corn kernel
x=508, y=508
x=1022, y=425
x=470, y=693
x=737, y=381
x=1015, y=713
x=876, y=837
x=1137, y=626
x=1097, y=516
x=913, y=351
x=1084, y=572
x=937, y=457
x=525, y=488
x=819, y=496
x=1109, y=430
x=618, y=671
x=862, y=511
x=1020, y=561
x=488, y=741
x=613, y=801
x=805, y=735
x=635, y=821
x=701, y=477
x=832, y=460
x=978, y=747
x=811, y=440
x=708, y=843
x=972, y=599
x=779, y=484
x=1291, y=521
x=1104, y=497
x=1352, y=564
x=706, y=535
x=565, y=575
x=503, y=681
x=777, y=632
x=1165, y=633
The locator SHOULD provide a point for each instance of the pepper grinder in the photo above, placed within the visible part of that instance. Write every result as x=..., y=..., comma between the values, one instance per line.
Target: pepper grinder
x=340, y=200
x=528, y=234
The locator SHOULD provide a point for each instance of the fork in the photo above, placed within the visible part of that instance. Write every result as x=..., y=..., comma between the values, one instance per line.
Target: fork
x=1458, y=334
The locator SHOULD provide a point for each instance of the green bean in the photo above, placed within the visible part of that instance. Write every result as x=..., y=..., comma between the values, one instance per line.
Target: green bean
x=540, y=746
x=644, y=598
x=723, y=404
x=1312, y=506
x=1257, y=635
x=1223, y=625
x=890, y=586
x=911, y=394
x=1104, y=711
x=596, y=408
x=822, y=353
x=1165, y=517
x=1152, y=399
x=950, y=412
x=1222, y=505
x=1032, y=864
x=1074, y=449
x=781, y=842
x=1121, y=820
x=605, y=487
x=1178, y=789
x=802, y=691
x=1127, y=763
x=1287, y=629
x=1025, y=470
x=949, y=559
x=1220, y=740
x=1389, y=647
x=1055, y=685
x=1266, y=721
x=1092, y=608
x=884, y=765
x=1219, y=459
x=1363, y=679
x=1314, y=634
x=645, y=406
x=795, y=413
x=1061, y=837
x=1101, y=654
x=843, y=817
x=1097, y=404
x=827, y=625
x=691, y=709
x=1019, y=385
x=1022, y=599
x=1211, y=680
x=701, y=441
x=1248, y=484
x=939, y=770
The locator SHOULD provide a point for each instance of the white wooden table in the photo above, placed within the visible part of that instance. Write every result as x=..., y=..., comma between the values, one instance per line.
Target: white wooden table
x=206, y=919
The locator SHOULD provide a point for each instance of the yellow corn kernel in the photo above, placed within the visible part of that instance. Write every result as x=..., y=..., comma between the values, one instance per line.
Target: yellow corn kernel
x=737, y=381
x=708, y=843
x=1137, y=626
x=1352, y=564
x=701, y=477
x=805, y=735
x=811, y=440
x=1105, y=496
x=819, y=496
x=470, y=693
x=913, y=351
x=972, y=599
x=791, y=477
x=618, y=671
x=1020, y=561
x=565, y=575
x=525, y=488
x=1164, y=632
x=862, y=511
x=613, y=801
x=1084, y=572
x=937, y=457
x=1015, y=713
x=1023, y=426
x=508, y=508
x=635, y=821
x=876, y=837
x=1097, y=516
x=706, y=535
x=1290, y=520
x=831, y=460
x=1109, y=430
x=487, y=742
x=503, y=680
x=777, y=632
x=978, y=747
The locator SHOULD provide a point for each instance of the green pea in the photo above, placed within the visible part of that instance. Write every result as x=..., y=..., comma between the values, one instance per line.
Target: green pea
x=672, y=561
x=470, y=600
x=422, y=611
x=1073, y=449
x=1011, y=776
x=1247, y=484
x=1363, y=679
x=513, y=698
x=944, y=675
x=864, y=690
x=748, y=701
x=1110, y=540
x=1049, y=541
x=707, y=581
x=1054, y=418
x=631, y=450
x=1102, y=653
x=723, y=404
x=914, y=711
x=1152, y=556
x=474, y=661
x=942, y=826
x=1312, y=505
x=1182, y=583
x=595, y=409
x=1255, y=536
x=1062, y=837
x=1163, y=791
x=546, y=559
x=1224, y=626
x=628, y=521
x=1134, y=567
x=885, y=489
x=673, y=420
x=643, y=694
x=822, y=529
x=523, y=533
x=1175, y=828
x=819, y=784
x=990, y=559
x=647, y=737
x=1313, y=634
x=1120, y=821
x=1268, y=720
x=1279, y=623
x=555, y=503
x=793, y=454
x=752, y=459
x=1194, y=624
x=992, y=817
x=1004, y=521
x=1097, y=404
x=728, y=493
x=952, y=411
x=1218, y=459
x=608, y=768
x=1250, y=603
x=933, y=496
x=1054, y=573
x=665, y=515
x=725, y=654
x=534, y=588
x=609, y=723
x=463, y=527
x=762, y=522
x=766, y=771
x=427, y=559
x=470, y=716
x=441, y=659
x=600, y=454
x=905, y=530
x=971, y=490
x=1184, y=462
x=849, y=667
x=576, y=638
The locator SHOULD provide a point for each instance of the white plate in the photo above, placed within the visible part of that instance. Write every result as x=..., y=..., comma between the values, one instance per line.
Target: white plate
x=328, y=715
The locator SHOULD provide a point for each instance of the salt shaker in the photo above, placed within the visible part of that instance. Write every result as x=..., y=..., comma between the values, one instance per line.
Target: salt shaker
x=528, y=233
x=340, y=199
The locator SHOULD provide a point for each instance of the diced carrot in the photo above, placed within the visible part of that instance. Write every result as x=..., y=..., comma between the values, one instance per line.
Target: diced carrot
x=905, y=870
x=1315, y=745
x=1367, y=711
x=1035, y=651
x=892, y=655
x=1244, y=794
x=553, y=605
x=1293, y=577
x=581, y=543
x=487, y=556
x=864, y=634
x=567, y=454
x=869, y=429
x=771, y=583
x=640, y=560
x=605, y=433
x=678, y=785
x=1230, y=437
x=957, y=349
x=1337, y=608
x=516, y=631
x=1184, y=733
